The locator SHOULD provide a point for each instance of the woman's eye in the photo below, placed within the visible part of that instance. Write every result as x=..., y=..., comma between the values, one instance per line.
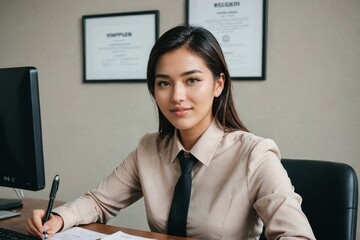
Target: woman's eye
x=163, y=83
x=193, y=80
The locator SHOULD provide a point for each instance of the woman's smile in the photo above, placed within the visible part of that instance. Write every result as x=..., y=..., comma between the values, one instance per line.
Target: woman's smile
x=181, y=111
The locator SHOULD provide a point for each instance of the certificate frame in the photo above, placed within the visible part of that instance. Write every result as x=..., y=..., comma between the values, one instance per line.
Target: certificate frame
x=116, y=46
x=240, y=26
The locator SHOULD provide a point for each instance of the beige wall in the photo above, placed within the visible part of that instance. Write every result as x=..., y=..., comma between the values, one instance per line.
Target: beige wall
x=309, y=102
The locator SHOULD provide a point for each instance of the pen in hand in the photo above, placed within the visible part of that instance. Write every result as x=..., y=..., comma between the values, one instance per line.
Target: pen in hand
x=54, y=188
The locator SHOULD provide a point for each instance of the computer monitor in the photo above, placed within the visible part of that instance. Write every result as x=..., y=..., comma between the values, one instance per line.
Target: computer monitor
x=21, y=149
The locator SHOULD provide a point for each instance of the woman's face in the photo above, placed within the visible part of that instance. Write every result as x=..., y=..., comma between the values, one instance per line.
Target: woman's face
x=185, y=89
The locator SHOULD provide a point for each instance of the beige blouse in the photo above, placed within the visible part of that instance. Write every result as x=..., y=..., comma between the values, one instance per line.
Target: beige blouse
x=238, y=184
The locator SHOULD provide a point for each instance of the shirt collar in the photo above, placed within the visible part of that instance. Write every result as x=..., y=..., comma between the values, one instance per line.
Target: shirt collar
x=204, y=149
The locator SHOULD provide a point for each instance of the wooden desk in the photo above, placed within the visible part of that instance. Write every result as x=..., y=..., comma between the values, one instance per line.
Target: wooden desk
x=19, y=223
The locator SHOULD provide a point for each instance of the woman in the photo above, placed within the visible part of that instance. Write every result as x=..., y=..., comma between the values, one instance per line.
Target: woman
x=238, y=182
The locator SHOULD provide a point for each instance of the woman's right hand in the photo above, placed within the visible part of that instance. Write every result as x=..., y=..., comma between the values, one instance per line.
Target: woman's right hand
x=36, y=228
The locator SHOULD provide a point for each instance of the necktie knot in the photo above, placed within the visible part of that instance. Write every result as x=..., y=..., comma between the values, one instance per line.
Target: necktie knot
x=187, y=162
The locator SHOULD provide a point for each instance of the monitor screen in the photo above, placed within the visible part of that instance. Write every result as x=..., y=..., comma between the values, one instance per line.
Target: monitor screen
x=21, y=151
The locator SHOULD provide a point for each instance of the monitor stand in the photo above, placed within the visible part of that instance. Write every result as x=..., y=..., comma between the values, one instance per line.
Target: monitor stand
x=7, y=207
x=10, y=203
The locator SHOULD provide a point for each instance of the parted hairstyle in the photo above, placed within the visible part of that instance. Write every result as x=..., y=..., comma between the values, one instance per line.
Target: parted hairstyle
x=203, y=43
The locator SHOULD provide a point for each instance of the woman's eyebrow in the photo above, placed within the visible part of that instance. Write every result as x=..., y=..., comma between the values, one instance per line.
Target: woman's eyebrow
x=160, y=75
x=190, y=72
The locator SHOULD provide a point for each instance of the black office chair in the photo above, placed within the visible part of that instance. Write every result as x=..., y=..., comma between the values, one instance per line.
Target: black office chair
x=330, y=196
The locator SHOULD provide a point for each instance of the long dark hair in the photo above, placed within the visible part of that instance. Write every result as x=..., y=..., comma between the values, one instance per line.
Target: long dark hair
x=204, y=44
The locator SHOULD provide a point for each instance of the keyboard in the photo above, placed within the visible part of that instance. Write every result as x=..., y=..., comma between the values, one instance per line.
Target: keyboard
x=13, y=235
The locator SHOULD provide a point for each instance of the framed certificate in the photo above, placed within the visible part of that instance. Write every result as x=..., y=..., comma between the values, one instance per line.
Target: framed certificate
x=240, y=28
x=117, y=46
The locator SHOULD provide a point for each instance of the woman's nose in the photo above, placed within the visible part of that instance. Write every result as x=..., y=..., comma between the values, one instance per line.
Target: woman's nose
x=179, y=93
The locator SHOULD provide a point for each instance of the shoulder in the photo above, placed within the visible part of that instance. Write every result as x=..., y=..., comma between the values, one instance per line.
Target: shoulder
x=247, y=139
x=149, y=146
x=154, y=137
x=154, y=141
x=253, y=146
x=149, y=137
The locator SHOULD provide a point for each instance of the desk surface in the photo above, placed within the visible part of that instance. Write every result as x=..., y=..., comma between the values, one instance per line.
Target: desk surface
x=19, y=223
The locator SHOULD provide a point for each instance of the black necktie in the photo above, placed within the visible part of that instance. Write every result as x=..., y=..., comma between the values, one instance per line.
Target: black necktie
x=180, y=203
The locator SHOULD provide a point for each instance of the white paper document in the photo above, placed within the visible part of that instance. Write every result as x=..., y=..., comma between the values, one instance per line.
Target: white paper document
x=7, y=214
x=123, y=236
x=77, y=233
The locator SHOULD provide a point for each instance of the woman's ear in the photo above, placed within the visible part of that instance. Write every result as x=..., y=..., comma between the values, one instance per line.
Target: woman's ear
x=219, y=85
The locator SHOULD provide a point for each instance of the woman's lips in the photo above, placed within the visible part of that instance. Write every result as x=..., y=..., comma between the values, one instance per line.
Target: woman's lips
x=180, y=111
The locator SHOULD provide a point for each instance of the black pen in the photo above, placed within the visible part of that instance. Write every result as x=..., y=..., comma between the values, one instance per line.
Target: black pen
x=54, y=188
